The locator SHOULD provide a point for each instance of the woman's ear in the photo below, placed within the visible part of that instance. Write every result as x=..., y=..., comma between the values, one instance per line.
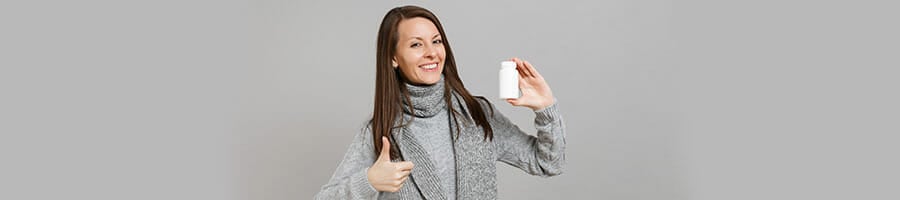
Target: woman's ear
x=394, y=63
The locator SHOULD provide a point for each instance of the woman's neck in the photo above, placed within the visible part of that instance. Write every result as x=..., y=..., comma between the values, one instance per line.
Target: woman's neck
x=427, y=100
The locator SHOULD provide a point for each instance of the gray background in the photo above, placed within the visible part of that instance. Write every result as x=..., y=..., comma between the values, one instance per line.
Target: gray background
x=259, y=99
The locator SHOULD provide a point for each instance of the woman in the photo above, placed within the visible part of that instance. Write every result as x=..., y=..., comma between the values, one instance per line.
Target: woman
x=428, y=137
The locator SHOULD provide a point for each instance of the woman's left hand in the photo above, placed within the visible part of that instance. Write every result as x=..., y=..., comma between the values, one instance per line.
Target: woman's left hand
x=536, y=93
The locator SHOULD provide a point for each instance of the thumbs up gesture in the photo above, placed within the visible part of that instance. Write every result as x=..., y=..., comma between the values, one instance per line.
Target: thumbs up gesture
x=387, y=176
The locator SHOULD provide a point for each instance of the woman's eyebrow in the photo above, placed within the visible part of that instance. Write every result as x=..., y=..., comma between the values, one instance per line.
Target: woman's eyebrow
x=420, y=38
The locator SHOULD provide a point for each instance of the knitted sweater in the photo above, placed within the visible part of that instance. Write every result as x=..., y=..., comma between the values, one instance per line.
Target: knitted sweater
x=431, y=125
x=429, y=138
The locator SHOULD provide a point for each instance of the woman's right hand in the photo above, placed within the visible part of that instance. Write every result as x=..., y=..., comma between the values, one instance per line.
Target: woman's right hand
x=387, y=176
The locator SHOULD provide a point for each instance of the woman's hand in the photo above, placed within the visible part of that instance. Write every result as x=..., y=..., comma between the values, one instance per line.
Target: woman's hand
x=387, y=176
x=536, y=93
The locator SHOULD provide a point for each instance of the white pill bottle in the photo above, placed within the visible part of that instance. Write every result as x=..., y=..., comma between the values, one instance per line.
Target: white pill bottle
x=509, y=80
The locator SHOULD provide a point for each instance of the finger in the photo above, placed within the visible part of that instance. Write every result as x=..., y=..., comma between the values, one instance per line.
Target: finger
x=521, y=73
x=403, y=180
x=520, y=65
x=513, y=102
x=400, y=175
x=405, y=165
x=405, y=173
x=531, y=69
x=385, y=149
x=518, y=70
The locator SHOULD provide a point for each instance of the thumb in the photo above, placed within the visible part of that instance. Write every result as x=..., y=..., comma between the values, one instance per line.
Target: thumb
x=514, y=102
x=385, y=149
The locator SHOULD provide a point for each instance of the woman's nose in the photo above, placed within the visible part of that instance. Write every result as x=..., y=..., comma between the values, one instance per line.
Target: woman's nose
x=431, y=51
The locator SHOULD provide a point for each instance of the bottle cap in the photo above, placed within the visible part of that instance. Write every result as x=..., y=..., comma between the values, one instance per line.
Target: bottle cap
x=507, y=64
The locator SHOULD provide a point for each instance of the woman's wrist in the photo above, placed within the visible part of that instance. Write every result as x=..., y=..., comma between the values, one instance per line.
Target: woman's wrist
x=544, y=105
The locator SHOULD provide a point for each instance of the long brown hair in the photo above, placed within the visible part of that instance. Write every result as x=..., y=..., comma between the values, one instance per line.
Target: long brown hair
x=390, y=88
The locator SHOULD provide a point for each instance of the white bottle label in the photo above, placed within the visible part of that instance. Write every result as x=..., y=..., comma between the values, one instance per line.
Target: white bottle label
x=509, y=80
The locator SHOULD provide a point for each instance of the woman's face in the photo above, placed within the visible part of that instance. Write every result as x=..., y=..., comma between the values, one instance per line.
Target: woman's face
x=420, y=51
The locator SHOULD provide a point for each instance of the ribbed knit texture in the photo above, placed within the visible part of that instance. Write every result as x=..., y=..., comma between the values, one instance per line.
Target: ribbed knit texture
x=431, y=125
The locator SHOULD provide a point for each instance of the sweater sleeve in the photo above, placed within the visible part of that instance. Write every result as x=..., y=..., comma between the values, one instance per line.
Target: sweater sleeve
x=541, y=155
x=350, y=180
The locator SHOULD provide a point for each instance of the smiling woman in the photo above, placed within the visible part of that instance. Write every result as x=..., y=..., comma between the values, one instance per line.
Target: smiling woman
x=420, y=51
x=429, y=138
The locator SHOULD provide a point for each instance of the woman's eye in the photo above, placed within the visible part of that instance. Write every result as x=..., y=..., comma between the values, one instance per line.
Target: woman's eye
x=438, y=41
x=415, y=44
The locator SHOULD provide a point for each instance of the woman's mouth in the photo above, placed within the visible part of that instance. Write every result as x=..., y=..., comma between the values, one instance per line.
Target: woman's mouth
x=430, y=67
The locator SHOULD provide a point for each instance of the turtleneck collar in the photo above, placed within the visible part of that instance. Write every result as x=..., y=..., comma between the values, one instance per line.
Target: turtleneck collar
x=427, y=100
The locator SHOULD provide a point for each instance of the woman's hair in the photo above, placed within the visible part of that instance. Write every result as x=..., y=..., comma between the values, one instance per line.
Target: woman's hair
x=390, y=88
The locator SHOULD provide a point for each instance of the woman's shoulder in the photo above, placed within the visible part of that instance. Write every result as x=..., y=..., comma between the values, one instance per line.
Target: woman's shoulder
x=364, y=135
x=365, y=131
x=484, y=101
x=487, y=107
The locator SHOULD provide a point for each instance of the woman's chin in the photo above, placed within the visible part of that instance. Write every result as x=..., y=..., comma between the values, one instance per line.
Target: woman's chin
x=427, y=80
x=431, y=81
x=430, y=78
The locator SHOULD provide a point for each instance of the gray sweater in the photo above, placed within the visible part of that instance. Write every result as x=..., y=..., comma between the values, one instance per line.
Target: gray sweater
x=430, y=115
x=463, y=168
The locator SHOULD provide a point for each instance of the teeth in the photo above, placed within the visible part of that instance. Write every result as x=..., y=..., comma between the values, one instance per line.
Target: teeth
x=431, y=66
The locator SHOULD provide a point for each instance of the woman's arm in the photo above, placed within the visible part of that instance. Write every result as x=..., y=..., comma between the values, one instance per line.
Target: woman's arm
x=350, y=180
x=542, y=155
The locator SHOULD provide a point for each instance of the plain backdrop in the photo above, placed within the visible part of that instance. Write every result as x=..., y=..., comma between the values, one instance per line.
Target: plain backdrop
x=239, y=99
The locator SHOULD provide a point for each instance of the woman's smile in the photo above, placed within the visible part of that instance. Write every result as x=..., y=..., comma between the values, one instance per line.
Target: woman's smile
x=430, y=67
